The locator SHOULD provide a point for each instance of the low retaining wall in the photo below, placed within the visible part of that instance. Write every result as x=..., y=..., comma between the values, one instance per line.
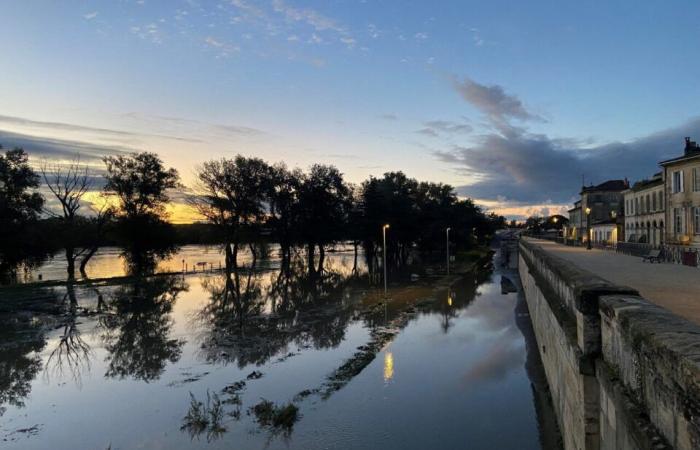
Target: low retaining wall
x=623, y=373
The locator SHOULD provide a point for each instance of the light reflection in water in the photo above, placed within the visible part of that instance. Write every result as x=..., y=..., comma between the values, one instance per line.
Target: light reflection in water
x=388, y=366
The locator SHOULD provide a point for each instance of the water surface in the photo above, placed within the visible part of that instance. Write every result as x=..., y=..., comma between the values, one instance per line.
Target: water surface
x=121, y=364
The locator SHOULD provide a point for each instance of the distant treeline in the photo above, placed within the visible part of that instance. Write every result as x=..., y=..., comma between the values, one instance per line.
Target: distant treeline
x=243, y=201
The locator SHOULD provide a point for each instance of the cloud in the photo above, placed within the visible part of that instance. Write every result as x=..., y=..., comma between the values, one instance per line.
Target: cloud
x=90, y=15
x=421, y=36
x=435, y=128
x=150, y=32
x=389, y=117
x=308, y=16
x=60, y=126
x=493, y=101
x=225, y=49
x=50, y=148
x=529, y=167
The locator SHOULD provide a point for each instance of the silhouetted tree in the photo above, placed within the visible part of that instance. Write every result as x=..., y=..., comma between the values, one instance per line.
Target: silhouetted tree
x=68, y=184
x=284, y=203
x=324, y=203
x=140, y=184
x=231, y=193
x=20, y=205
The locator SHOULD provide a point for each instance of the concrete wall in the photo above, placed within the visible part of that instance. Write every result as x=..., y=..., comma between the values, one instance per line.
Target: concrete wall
x=623, y=373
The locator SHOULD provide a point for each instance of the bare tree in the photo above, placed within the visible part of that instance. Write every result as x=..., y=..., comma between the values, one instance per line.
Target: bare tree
x=68, y=184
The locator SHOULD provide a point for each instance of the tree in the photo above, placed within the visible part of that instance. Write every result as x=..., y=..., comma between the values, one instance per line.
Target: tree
x=140, y=183
x=68, y=184
x=231, y=193
x=20, y=205
x=284, y=203
x=324, y=202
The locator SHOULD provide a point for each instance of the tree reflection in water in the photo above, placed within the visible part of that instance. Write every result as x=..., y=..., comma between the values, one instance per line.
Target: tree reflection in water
x=71, y=353
x=254, y=315
x=20, y=344
x=137, y=325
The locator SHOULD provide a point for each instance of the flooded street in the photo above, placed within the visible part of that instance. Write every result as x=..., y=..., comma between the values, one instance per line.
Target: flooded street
x=445, y=364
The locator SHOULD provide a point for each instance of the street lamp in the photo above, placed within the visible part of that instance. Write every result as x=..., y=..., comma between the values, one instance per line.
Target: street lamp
x=384, y=228
x=448, y=250
x=588, y=227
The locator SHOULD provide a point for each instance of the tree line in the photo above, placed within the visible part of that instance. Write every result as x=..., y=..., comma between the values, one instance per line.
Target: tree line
x=243, y=201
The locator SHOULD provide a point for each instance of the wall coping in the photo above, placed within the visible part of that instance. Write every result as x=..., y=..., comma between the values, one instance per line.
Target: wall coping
x=674, y=340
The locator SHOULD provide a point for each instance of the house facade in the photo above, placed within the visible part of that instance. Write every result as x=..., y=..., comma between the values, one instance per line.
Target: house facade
x=575, y=229
x=602, y=209
x=682, y=191
x=645, y=211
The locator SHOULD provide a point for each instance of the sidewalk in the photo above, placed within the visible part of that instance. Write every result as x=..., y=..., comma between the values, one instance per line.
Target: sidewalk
x=675, y=287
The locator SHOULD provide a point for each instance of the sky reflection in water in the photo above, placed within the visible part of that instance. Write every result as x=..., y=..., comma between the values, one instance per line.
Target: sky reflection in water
x=454, y=377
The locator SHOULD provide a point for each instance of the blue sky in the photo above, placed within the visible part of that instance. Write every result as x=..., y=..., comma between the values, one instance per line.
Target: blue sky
x=509, y=101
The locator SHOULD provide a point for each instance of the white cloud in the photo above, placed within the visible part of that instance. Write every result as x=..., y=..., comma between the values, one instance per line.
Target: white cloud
x=90, y=15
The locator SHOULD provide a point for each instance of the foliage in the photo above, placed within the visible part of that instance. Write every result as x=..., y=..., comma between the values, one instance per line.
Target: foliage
x=140, y=183
x=20, y=206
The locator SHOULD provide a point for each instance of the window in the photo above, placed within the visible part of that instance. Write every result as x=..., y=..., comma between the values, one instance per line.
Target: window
x=677, y=180
x=636, y=205
x=696, y=220
x=678, y=220
x=696, y=179
x=647, y=204
x=653, y=202
x=661, y=200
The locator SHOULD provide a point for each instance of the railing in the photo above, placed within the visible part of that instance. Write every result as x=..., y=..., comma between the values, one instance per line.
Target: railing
x=634, y=248
x=679, y=254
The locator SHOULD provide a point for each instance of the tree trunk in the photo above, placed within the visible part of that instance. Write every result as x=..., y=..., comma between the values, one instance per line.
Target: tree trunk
x=310, y=257
x=70, y=259
x=321, y=258
x=86, y=258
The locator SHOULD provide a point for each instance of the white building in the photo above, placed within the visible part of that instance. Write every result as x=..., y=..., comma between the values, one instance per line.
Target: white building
x=644, y=211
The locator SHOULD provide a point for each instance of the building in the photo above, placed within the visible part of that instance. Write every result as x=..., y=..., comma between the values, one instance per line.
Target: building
x=644, y=211
x=602, y=209
x=575, y=229
x=682, y=192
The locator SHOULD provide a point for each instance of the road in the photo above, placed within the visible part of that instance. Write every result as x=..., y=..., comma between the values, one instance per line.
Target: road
x=672, y=286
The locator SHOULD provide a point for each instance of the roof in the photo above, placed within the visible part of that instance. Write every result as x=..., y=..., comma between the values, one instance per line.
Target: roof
x=647, y=184
x=610, y=185
x=691, y=151
x=688, y=156
x=605, y=222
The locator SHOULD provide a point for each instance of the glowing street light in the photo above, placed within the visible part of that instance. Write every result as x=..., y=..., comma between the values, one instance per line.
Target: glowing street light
x=448, y=250
x=588, y=227
x=384, y=228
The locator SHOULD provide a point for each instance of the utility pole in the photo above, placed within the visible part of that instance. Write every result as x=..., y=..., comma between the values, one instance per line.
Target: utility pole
x=384, y=228
x=448, y=250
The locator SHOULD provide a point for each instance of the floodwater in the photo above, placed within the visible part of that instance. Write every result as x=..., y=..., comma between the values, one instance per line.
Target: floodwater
x=455, y=365
x=110, y=262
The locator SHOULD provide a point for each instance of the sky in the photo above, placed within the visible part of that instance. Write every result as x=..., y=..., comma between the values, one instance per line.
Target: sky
x=511, y=102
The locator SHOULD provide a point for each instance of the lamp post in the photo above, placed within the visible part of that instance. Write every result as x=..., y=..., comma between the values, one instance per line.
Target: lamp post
x=384, y=228
x=588, y=228
x=448, y=249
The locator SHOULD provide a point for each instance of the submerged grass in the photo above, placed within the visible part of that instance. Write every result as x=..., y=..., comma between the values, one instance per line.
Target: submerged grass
x=269, y=414
x=204, y=417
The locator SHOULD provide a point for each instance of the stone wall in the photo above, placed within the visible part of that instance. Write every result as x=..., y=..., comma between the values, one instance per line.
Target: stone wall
x=623, y=373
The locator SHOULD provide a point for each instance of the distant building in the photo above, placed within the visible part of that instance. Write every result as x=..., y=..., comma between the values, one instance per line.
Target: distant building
x=644, y=211
x=682, y=191
x=575, y=229
x=602, y=205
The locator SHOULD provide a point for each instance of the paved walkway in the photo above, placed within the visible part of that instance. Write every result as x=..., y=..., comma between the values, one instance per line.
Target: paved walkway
x=675, y=287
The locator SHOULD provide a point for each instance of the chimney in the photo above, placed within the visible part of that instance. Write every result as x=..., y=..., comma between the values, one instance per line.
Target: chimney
x=690, y=146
